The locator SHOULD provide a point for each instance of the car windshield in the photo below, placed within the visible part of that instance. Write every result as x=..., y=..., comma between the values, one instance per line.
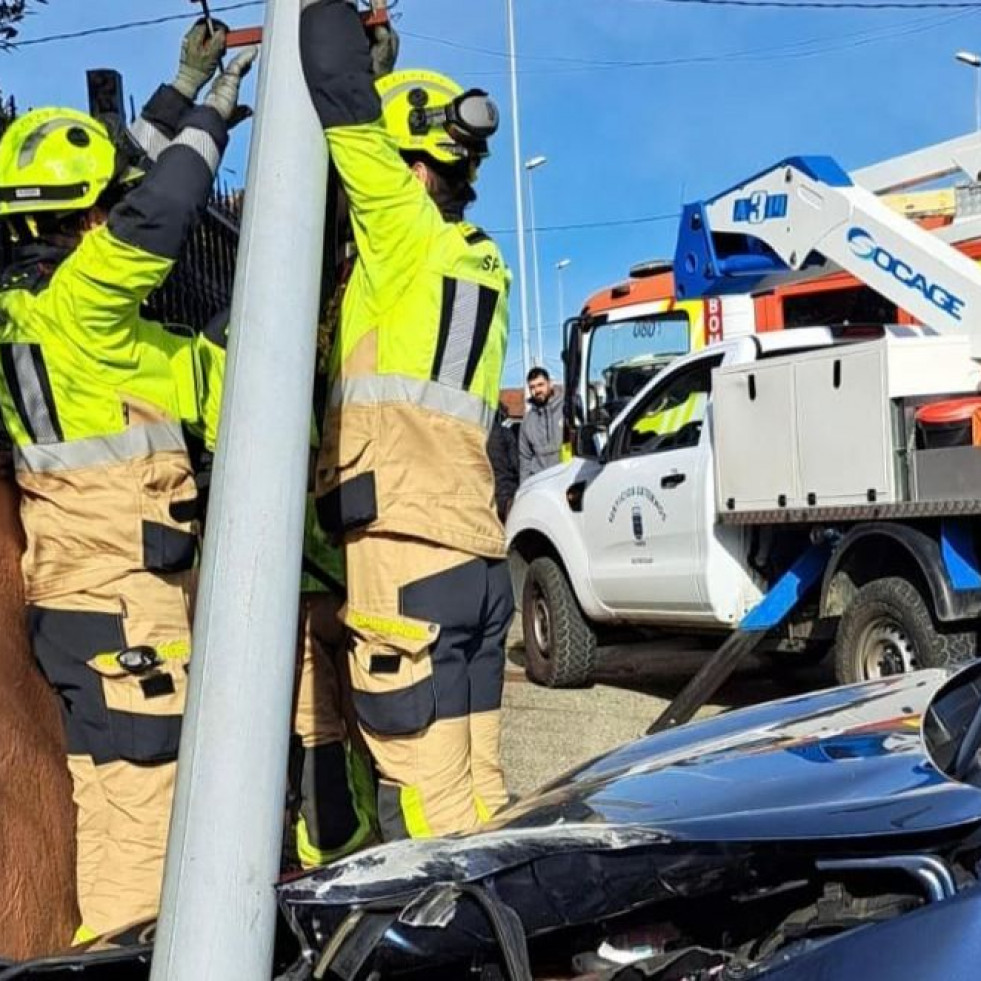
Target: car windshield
x=625, y=354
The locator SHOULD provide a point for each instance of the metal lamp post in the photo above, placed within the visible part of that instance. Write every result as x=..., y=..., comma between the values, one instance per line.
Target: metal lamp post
x=973, y=60
x=561, y=265
x=531, y=166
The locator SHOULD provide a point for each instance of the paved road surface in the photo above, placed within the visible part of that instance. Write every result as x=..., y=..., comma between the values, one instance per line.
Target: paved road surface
x=547, y=732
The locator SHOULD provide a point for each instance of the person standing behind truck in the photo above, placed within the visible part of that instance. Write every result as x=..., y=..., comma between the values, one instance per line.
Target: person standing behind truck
x=540, y=439
x=94, y=398
x=502, y=451
x=403, y=477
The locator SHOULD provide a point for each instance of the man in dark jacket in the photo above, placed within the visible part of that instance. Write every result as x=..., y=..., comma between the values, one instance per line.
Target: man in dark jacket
x=502, y=451
x=541, y=430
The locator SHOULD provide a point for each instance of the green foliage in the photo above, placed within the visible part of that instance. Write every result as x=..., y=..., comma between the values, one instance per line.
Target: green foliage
x=8, y=111
x=12, y=12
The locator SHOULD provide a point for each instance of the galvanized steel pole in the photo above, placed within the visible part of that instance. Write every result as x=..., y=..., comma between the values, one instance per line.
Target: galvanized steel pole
x=217, y=917
x=518, y=194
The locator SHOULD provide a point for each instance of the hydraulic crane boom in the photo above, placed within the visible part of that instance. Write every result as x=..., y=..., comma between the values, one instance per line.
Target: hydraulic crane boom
x=806, y=212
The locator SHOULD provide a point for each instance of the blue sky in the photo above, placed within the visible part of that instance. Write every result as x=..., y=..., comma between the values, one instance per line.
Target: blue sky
x=710, y=95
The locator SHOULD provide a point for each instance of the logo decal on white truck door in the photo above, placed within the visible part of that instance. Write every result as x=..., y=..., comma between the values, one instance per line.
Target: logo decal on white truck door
x=637, y=495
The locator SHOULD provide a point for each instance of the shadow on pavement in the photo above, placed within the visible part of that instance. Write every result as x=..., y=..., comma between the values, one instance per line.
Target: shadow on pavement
x=663, y=668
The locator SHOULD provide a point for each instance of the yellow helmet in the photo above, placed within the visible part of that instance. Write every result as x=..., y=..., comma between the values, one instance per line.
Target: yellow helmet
x=429, y=113
x=57, y=160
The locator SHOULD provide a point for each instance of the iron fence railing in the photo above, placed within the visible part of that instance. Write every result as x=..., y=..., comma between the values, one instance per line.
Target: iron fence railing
x=200, y=287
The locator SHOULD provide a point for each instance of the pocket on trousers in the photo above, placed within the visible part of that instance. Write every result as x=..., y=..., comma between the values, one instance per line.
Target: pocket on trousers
x=392, y=680
x=144, y=710
x=168, y=503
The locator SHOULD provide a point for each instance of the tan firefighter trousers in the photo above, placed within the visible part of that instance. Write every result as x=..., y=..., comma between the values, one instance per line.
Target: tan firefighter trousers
x=428, y=626
x=331, y=777
x=123, y=729
x=117, y=655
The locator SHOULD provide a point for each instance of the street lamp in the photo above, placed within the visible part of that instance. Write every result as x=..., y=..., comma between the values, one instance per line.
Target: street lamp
x=559, y=266
x=973, y=60
x=531, y=166
x=518, y=196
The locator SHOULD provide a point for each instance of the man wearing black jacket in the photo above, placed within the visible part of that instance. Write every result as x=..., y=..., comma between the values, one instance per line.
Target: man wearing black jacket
x=502, y=451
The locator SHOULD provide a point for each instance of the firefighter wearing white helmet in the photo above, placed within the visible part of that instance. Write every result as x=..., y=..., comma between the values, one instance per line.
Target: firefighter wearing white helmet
x=403, y=478
x=94, y=398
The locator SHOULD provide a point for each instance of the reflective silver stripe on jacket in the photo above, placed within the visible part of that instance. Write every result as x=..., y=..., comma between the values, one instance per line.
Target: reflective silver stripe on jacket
x=202, y=143
x=378, y=389
x=134, y=443
x=152, y=141
x=462, y=334
x=41, y=417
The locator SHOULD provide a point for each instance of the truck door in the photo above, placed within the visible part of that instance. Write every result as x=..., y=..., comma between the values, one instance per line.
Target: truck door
x=644, y=511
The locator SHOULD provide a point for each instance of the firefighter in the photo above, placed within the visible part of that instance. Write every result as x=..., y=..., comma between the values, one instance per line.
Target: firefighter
x=403, y=477
x=94, y=397
x=331, y=785
x=333, y=781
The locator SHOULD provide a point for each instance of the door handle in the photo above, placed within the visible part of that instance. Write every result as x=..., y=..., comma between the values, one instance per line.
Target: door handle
x=673, y=479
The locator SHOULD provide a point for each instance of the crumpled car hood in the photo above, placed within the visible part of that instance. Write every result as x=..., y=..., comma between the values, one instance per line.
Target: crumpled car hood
x=844, y=763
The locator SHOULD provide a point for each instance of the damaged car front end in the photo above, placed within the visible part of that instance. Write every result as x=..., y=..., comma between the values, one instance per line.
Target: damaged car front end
x=795, y=839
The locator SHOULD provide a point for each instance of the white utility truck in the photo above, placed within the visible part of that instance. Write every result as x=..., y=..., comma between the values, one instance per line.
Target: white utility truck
x=817, y=486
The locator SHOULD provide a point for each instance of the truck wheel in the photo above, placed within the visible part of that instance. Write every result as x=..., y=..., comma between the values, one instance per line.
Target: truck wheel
x=560, y=647
x=887, y=629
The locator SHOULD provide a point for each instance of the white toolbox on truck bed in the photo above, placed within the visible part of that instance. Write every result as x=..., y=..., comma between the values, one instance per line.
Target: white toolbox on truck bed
x=825, y=428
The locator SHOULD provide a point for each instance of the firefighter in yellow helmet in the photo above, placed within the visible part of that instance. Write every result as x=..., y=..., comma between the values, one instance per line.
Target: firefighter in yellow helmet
x=403, y=477
x=93, y=398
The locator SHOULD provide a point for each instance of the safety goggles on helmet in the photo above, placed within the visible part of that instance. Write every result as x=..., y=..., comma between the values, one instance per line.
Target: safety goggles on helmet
x=428, y=113
x=470, y=119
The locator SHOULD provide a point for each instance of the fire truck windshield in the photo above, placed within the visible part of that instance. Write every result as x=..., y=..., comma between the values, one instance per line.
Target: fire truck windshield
x=624, y=355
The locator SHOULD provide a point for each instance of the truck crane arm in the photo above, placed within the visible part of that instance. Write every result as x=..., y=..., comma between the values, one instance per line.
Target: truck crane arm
x=807, y=212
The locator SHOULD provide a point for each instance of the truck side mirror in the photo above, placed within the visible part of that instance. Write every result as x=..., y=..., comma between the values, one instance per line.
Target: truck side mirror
x=591, y=441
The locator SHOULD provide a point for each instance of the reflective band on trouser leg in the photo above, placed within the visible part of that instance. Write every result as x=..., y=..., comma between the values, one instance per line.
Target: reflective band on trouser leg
x=83, y=935
x=336, y=804
x=330, y=824
x=435, y=796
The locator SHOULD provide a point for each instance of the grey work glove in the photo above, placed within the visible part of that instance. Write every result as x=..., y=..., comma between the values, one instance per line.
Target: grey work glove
x=223, y=95
x=384, y=49
x=201, y=51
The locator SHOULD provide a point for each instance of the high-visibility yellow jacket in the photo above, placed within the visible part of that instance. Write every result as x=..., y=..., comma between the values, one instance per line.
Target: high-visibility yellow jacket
x=94, y=396
x=416, y=363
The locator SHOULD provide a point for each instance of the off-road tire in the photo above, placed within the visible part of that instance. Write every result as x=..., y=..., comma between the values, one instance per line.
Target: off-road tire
x=894, y=607
x=561, y=652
